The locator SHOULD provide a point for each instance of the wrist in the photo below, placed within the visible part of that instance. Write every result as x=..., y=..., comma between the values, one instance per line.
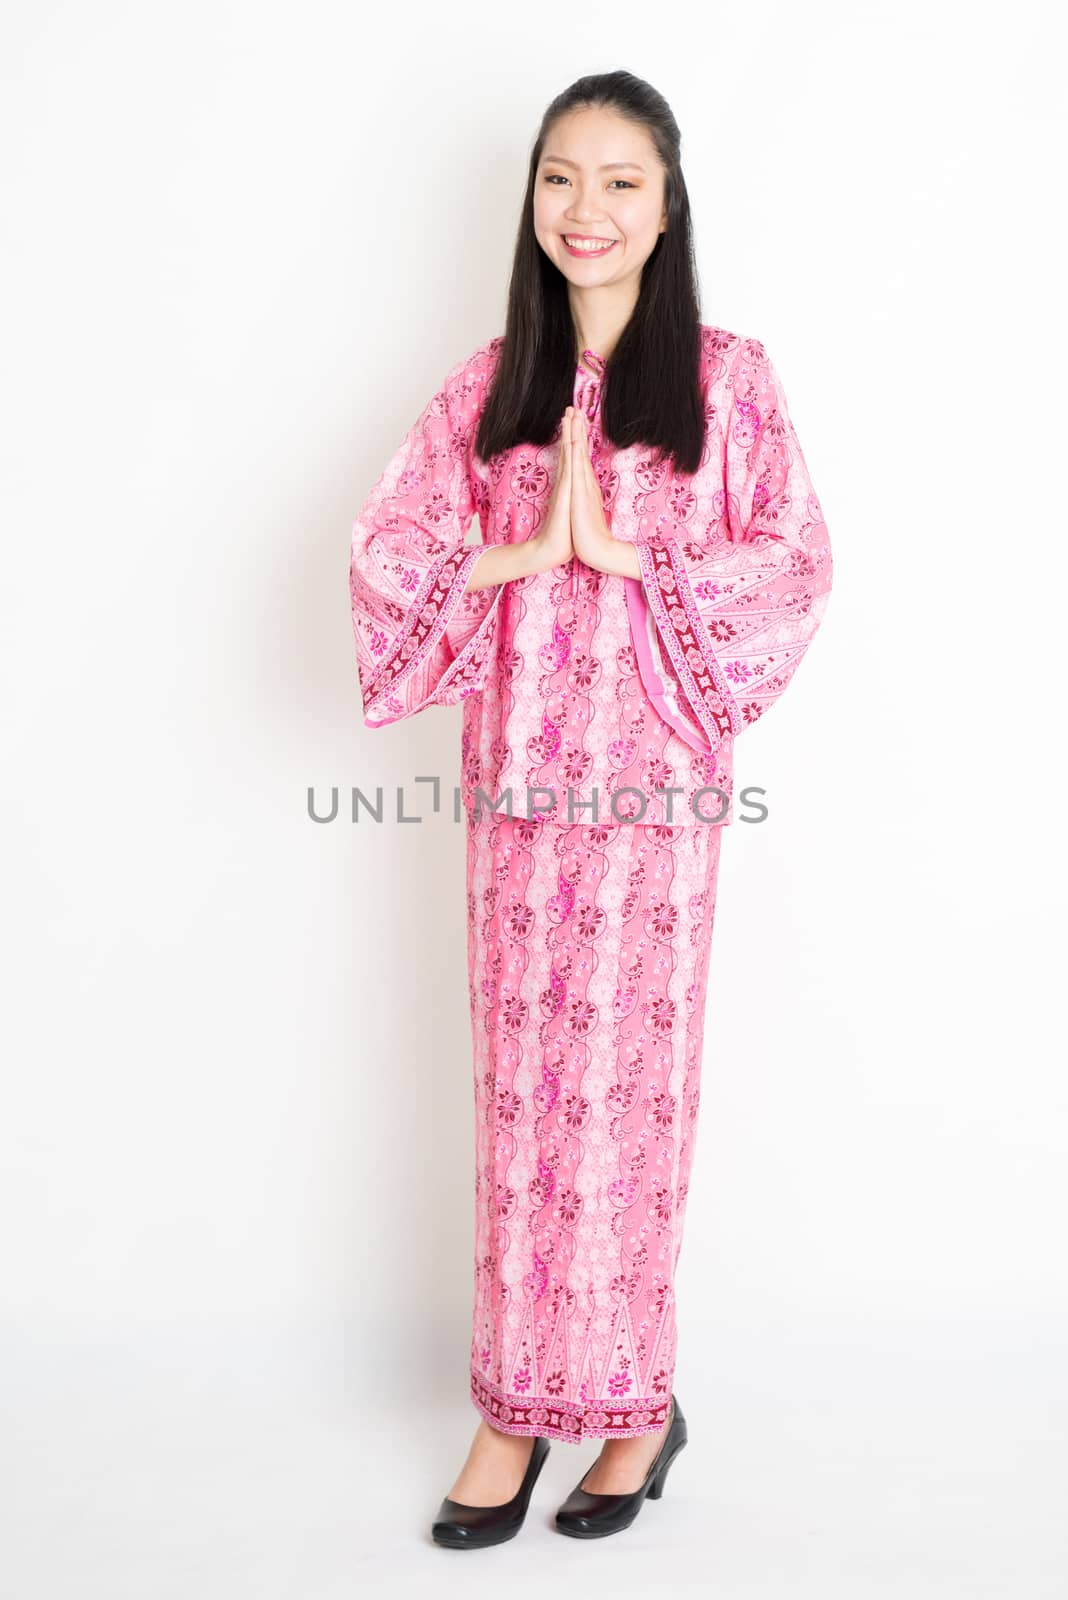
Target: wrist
x=617, y=556
x=600, y=553
x=541, y=556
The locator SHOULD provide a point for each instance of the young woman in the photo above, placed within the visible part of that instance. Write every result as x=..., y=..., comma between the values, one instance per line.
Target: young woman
x=654, y=566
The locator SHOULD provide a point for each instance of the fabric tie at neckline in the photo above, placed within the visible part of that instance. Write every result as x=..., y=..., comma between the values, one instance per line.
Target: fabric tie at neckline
x=596, y=362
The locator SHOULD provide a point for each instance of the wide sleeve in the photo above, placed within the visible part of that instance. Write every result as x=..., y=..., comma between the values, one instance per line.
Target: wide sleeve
x=420, y=640
x=735, y=579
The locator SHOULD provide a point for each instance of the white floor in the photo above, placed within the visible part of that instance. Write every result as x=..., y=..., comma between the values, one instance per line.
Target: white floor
x=814, y=1474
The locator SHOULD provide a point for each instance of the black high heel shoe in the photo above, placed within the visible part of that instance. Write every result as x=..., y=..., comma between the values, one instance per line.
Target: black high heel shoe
x=470, y=1527
x=590, y=1516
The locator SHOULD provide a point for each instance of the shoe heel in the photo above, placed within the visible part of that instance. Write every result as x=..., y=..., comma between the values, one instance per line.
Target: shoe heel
x=656, y=1488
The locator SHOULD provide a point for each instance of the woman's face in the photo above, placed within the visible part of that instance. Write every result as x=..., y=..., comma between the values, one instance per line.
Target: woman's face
x=599, y=178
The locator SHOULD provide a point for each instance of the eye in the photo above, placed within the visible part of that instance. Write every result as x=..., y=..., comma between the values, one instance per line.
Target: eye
x=553, y=176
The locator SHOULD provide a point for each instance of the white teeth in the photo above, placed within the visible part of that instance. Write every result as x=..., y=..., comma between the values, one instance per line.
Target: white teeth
x=591, y=249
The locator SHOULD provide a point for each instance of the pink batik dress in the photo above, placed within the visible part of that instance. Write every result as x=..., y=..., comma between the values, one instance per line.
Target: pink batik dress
x=599, y=718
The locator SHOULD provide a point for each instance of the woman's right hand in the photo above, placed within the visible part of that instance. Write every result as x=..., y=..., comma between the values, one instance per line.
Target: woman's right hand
x=553, y=541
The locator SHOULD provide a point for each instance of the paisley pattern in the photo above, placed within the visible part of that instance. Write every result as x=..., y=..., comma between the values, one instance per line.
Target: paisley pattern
x=588, y=954
x=589, y=696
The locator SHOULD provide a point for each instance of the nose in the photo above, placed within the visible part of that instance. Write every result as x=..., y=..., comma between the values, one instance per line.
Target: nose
x=581, y=208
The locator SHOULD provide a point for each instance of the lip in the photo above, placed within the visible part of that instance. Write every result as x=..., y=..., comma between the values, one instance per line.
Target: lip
x=609, y=244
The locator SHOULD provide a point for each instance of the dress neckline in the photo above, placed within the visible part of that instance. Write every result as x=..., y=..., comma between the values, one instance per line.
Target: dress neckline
x=597, y=363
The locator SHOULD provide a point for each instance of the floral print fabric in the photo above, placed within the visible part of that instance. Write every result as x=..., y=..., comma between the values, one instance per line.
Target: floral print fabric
x=605, y=709
x=588, y=955
x=583, y=688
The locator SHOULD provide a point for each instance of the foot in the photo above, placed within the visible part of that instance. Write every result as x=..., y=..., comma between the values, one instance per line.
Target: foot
x=495, y=1467
x=622, y=1465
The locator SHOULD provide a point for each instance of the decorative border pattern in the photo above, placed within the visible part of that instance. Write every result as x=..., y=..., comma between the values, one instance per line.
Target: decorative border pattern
x=686, y=639
x=659, y=678
x=433, y=608
x=566, y=1419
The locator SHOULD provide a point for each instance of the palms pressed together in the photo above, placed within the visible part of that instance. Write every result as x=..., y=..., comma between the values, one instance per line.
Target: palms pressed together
x=576, y=523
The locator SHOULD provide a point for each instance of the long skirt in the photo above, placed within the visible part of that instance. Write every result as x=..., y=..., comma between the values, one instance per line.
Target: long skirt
x=588, y=953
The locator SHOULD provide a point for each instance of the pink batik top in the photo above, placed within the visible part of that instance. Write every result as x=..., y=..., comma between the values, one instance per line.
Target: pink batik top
x=576, y=681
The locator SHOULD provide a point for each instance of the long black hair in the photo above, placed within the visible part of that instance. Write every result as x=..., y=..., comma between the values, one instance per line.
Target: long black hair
x=651, y=389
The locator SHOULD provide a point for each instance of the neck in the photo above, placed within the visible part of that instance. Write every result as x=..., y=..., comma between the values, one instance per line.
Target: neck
x=599, y=317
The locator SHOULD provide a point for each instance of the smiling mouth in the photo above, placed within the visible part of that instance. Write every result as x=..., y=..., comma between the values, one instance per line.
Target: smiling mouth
x=588, y=244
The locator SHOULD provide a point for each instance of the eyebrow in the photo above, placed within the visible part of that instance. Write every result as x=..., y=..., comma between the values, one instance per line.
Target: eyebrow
x=608, y=166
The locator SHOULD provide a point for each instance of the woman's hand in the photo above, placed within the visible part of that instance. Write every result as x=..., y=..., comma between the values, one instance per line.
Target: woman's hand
x=593, y=540
x=589, y=526
x=575, y=524
x=553, y=543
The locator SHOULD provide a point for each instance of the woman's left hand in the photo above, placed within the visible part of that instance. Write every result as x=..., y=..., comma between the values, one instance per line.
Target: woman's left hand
x=590, y=533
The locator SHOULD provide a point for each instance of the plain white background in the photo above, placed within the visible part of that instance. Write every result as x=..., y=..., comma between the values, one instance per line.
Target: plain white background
x=242, y=245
